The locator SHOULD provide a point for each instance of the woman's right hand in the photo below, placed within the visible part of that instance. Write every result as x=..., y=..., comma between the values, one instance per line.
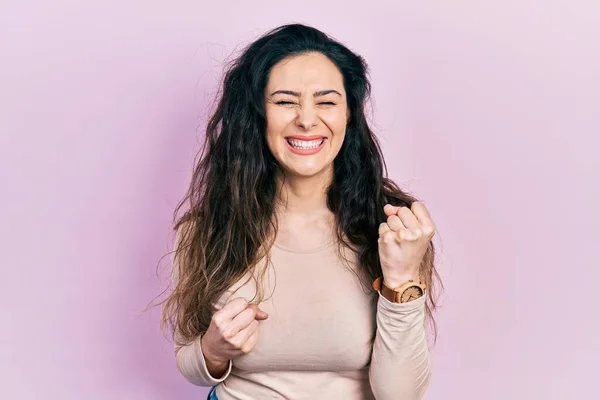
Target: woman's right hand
x=233, y=332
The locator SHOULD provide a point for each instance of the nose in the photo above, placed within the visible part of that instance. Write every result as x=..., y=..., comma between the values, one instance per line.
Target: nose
x=307, y=117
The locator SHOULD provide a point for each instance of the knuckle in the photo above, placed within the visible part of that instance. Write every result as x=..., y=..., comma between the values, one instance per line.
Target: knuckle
x=241, y=301
x=253, y=310
x=236, y=343
x=388, y=237
x=246, y=348
x=428, y=230
x=407, y=235
x=227, y=335
x=393, y=220
x=217, y=320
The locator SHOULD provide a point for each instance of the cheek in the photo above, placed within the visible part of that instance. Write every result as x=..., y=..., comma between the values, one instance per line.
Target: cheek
x=336, y=122
x=272, y=127
x=277, y=120
x=272, y=139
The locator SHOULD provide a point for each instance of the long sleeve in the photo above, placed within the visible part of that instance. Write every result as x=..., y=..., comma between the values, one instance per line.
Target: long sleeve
x=400, y=362
x=190, y=362
x=188, y=356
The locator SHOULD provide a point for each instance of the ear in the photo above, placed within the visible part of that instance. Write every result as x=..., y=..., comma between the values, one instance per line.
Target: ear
x=347, y=115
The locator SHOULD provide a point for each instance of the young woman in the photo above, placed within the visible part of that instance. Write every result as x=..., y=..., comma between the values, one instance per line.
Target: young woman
x=300, y=270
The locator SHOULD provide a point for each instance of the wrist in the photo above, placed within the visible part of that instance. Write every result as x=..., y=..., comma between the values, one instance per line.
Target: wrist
x=393, y=280
x=216, y=367
x=409, y=289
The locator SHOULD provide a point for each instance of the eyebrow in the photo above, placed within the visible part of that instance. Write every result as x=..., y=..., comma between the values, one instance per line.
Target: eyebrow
x=316, y=94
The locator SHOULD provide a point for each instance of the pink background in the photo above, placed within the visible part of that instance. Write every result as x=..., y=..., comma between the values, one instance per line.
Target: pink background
x=487, y=110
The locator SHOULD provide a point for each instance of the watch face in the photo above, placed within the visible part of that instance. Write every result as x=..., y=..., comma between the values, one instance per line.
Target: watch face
x=412, y=293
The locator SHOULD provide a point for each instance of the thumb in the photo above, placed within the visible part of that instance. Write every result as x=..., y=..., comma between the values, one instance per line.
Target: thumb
x=260, y=314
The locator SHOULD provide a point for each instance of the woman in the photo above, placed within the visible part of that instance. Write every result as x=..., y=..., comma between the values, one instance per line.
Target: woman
x=290, y=221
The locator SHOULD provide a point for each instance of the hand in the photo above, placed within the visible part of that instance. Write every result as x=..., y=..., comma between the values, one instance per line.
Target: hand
x=403, y=241
x=232, y=332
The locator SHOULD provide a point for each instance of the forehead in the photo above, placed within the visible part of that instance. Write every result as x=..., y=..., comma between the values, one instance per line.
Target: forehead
x=306, y=71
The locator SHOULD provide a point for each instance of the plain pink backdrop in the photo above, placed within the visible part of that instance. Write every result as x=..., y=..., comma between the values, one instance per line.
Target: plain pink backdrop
x=489, y=111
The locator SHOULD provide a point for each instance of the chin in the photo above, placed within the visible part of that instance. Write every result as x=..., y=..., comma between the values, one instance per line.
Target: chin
x=306, y=172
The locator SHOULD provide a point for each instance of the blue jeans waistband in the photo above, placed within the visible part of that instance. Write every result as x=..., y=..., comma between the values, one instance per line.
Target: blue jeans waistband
x=212, y=395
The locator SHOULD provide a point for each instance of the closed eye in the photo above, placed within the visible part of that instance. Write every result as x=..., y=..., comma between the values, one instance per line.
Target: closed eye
x=323, y=103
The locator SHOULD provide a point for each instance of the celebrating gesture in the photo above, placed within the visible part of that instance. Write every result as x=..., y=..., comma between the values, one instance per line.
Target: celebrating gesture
x=403, y=241
x=281, y=208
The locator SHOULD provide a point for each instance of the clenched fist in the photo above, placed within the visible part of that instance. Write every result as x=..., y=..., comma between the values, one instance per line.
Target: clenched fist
x=233, y=332
x=403, y=241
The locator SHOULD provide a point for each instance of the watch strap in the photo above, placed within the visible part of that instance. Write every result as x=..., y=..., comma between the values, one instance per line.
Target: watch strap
x=395, y=294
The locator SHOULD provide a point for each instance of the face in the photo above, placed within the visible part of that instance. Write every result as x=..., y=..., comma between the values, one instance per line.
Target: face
x=306, y=114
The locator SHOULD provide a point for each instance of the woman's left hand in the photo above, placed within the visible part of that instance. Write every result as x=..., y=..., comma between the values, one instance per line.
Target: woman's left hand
x=403, y=241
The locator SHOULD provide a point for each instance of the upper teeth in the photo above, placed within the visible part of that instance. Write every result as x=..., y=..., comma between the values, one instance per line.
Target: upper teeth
x=306, y=144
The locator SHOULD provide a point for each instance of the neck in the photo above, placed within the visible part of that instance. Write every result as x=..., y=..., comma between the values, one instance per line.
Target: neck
x=303, y=196
x=302, y=213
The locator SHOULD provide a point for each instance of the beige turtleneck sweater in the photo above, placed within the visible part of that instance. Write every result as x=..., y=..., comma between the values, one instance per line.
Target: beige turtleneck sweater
x=326, y=337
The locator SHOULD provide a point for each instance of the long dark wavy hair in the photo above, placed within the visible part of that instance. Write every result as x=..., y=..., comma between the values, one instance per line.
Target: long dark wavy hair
x=229, y=223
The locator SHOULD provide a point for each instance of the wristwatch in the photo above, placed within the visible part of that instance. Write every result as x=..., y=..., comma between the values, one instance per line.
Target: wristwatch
x=404, y=293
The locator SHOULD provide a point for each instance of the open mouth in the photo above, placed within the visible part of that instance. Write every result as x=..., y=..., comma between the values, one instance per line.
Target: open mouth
x=305, y=144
